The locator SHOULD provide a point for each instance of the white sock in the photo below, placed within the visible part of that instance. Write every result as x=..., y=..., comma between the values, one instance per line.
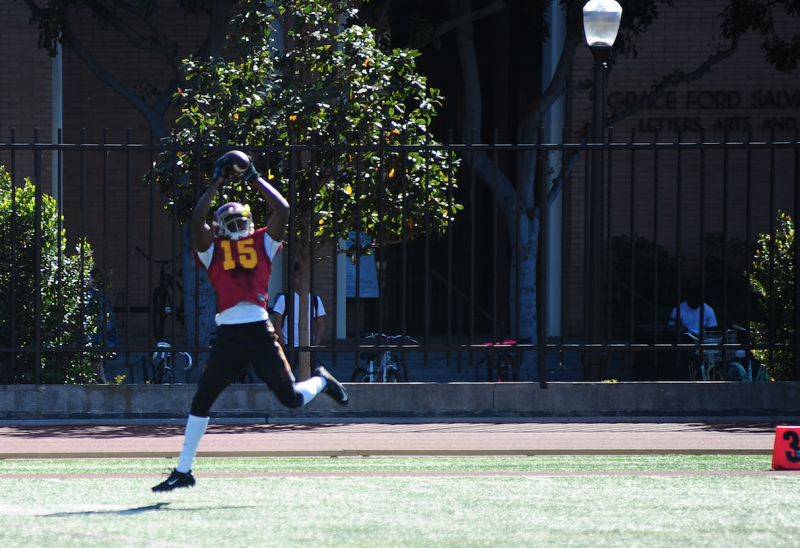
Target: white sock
x=195, y=428
x=310, y=388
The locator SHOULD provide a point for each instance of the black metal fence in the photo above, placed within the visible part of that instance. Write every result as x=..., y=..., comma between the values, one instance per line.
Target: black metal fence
x=677, y=213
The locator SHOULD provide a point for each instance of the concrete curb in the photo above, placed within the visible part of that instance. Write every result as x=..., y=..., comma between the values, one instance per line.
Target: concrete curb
x=409, y=401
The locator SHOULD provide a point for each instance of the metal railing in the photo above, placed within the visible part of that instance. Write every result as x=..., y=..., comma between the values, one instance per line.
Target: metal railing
x=679, y=210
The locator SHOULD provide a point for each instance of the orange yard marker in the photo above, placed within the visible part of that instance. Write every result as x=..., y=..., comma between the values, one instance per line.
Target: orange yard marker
x=786, y=453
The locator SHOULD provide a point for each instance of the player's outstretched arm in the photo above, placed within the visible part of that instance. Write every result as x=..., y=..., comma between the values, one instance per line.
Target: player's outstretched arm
x=276, y=227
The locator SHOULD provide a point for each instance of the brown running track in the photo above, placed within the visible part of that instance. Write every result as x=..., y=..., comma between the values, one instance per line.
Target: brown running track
x=143, y=439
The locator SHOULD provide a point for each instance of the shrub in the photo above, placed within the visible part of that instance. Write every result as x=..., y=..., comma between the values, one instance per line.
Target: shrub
x=65, y=314
x=772, y=280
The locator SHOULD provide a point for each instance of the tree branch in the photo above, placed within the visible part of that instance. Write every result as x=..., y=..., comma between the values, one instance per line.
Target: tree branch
x=558, y=182
x=384, y=14
x=36, y=11
x=494, y=178
x=671, y=80
x=219, y=17
x=675, y=79
x=558, y=83
x=158, y=43
x=155, y=118
x=464, y=19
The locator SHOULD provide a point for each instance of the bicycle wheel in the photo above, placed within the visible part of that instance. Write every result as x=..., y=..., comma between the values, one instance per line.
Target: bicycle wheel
x=760, y=372
x=159, y=312
x=694, y=372
x=359, y=375
x=714, y=373
x=167, y=377
x=736, y=372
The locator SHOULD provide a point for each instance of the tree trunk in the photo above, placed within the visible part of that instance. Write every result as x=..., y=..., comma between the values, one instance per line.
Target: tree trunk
x=517, y=204
x=303, y=256
x=525, y=263
x=305, y=365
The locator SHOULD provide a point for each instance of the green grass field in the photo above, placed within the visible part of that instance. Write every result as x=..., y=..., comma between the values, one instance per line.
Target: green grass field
x=664, y=500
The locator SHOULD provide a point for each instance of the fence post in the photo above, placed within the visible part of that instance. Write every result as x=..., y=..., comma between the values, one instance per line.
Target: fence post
x=37, y=330
x=796, y=375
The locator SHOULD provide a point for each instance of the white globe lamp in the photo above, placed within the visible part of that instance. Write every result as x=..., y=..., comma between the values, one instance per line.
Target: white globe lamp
x=601, y=22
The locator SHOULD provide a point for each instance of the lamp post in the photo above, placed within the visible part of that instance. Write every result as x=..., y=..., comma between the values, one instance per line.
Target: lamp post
x=600, y=25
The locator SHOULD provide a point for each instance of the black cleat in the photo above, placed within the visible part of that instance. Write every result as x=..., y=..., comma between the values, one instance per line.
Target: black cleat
x=176, y=479
x=333, y=388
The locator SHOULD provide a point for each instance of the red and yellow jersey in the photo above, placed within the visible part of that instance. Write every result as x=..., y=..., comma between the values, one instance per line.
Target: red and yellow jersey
x=239, y=270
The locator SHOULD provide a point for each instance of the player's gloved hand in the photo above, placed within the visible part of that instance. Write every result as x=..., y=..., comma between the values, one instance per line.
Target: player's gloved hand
x=248, y=175
x=222, y=166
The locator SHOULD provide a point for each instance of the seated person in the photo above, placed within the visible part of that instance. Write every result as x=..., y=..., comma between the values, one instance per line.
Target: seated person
x=689, y=319
x=689, y=315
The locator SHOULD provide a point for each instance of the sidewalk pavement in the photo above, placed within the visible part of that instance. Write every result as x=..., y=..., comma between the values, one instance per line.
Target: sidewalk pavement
x=159, y=439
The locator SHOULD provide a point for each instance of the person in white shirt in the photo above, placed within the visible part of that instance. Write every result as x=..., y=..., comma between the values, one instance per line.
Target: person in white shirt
x=689, y=318
x=690, y=313
x=316, y=311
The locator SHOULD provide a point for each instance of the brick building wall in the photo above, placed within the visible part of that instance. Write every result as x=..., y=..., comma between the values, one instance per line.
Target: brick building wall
x=650, y=196
x=26, y=90
x=104, y=198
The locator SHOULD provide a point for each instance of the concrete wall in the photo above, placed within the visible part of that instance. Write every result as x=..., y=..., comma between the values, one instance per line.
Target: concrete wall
x=416, y=400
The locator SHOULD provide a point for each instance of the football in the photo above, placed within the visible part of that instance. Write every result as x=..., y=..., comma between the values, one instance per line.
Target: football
x=239, y=161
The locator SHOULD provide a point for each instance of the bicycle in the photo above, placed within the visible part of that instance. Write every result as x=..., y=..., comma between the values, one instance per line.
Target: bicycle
x=706, y=365
x=738, y=366
x=389, y=362
x=162, y=371
x=504, y=368
x=162, y=298
x=746, y=368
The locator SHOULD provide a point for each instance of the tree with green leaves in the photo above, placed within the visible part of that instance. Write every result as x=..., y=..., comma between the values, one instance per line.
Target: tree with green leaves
x=773, y=280
x=307, y=76
x=66, y=310
x=736, y=18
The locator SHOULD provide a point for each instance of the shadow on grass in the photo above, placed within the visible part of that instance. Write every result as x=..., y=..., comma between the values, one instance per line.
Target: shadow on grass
x=140, y=510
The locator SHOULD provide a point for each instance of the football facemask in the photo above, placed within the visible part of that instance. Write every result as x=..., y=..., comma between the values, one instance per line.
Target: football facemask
x=233, y=221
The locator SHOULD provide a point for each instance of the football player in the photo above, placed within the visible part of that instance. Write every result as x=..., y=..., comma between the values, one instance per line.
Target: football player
x=238, y=258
